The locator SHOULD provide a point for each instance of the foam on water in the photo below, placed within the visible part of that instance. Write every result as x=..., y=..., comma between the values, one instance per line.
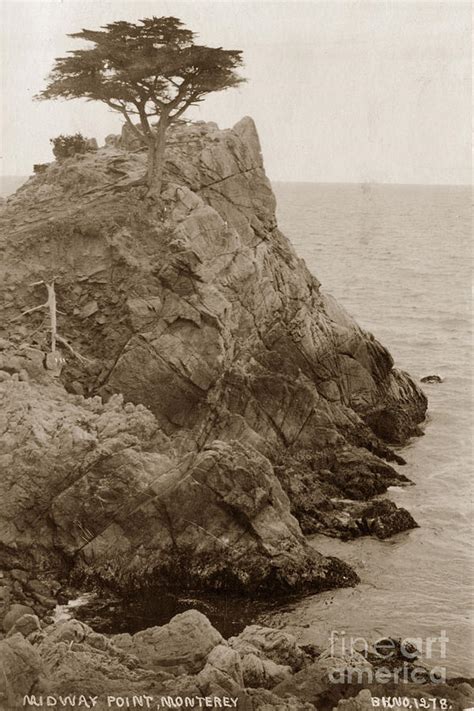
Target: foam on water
x=399, y=259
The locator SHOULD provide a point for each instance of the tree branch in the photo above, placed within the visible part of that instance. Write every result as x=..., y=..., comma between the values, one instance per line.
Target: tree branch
x=55, y=337
x=124, y=112
x=30, y=311
x=80, y=358
x=144, y=120
x=153, y=96
x=52, y=314
x=181, y=93
x=191, y=100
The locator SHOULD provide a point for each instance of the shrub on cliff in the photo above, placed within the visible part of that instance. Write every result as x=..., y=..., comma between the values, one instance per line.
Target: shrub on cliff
x=67, y=146
x=39, y=168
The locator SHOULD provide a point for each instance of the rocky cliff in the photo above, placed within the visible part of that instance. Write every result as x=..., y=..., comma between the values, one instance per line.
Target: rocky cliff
x=211, y=403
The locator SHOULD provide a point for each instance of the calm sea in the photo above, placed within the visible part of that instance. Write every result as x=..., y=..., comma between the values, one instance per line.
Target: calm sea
x=399, y=259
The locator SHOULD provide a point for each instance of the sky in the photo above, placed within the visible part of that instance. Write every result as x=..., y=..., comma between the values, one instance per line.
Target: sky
x=340, y=90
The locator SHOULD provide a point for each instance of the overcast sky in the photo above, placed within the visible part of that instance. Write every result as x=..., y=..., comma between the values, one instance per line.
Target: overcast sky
x=341, y=90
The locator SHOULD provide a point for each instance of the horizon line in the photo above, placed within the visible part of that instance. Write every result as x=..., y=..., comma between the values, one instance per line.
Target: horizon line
x=317, y=182
x=371, y=183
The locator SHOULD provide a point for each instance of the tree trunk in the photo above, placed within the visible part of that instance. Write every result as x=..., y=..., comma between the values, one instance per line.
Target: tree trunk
x=156, y=157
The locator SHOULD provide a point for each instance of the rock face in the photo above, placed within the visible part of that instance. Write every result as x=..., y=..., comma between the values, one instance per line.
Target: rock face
x=254, y=403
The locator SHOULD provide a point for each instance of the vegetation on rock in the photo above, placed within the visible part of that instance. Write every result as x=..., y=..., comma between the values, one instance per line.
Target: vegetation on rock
x=145, y=71
x=68, y=146
x=39, y=168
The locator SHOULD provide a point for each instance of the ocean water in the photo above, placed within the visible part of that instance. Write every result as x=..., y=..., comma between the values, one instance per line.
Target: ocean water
x=399, y=259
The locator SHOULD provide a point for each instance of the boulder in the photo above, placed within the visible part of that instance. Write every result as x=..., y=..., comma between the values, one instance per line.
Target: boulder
x=91, y=144
x=384, y=519
x=25, y=625
x=77, y=660
x=38, y=587
x=222, y=671
x=272, y=644
x=20, y=667
x=326, y=679
x=395, y=522
x=5, y=596
x=15, y=612
x=22, y=576
x=263, y=673
x=432, y=379
x=112, y=140
x=128, y=139
x=179, y=647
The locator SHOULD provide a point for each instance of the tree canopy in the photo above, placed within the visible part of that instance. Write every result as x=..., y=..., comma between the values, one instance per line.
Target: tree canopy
x=149, y=70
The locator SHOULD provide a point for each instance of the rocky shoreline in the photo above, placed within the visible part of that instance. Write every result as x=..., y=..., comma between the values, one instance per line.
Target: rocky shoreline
x=207, y=405
x=187, y=663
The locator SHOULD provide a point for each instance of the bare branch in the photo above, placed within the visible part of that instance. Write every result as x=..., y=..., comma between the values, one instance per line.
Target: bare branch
x=37, y=330
x=30, y=311
x=52, y=314
x=51, y=306
x=80, y=358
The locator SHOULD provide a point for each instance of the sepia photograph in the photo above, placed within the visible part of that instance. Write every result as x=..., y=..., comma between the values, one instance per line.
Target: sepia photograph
x=236, y=393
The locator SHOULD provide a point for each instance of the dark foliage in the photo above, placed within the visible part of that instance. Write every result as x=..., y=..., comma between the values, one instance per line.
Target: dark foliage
x=40, y=168
x=67, y=146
